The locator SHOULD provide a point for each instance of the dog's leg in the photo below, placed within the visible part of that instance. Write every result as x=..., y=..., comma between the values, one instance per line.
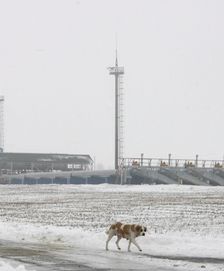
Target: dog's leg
x=135, y=243
x=129, y=245
x=117, y=242
x=108, y=239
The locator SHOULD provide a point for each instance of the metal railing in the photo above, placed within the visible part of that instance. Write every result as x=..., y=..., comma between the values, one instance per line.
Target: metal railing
x=164, y=162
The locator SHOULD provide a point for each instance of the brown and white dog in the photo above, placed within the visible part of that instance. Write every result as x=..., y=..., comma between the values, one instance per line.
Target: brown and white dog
x=128, y=231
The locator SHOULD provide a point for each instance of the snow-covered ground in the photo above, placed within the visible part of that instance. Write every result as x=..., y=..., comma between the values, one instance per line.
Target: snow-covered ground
x=185, y=225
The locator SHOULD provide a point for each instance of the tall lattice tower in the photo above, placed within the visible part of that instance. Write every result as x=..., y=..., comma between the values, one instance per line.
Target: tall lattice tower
x=1, y=123
x=119, y=116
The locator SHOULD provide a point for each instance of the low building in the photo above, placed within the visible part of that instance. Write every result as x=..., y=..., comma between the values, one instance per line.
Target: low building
x=16, y=163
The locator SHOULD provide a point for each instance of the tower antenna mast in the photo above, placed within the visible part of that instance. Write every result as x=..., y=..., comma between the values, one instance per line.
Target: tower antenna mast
x=1, y=123
x=118, y=75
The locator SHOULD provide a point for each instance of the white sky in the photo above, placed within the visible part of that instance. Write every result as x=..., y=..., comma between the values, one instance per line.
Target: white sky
x=59, y=96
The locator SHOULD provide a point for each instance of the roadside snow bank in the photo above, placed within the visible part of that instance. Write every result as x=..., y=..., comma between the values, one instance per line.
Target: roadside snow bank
x=7, y=267
x=153, y=244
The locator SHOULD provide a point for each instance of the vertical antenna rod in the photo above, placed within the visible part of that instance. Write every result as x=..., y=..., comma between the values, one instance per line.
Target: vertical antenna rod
x=1, y=123
x=117, y=72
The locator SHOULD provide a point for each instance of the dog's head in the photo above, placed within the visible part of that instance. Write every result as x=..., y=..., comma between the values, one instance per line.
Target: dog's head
x=141, y=230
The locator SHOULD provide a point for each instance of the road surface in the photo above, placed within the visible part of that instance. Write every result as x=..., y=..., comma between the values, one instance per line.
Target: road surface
x=50, y=257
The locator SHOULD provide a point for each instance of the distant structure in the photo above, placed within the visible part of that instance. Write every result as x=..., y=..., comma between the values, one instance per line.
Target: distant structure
x=17, y=163
x=118, y=74
x=1, y=123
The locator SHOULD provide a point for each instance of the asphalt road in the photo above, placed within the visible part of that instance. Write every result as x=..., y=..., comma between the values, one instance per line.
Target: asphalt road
x=50, y=257
x=38, y=257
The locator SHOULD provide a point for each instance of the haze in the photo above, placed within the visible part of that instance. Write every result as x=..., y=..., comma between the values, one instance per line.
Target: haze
x=59, y=96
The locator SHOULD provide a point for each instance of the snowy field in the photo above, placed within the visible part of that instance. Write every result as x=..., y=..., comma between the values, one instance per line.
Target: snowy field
x=67, y=224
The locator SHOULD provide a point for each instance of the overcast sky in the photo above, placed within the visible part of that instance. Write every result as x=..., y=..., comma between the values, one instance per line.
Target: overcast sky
x=59, y=96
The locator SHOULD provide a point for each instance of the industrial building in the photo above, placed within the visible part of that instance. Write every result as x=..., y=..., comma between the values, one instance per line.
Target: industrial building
x=17, y=163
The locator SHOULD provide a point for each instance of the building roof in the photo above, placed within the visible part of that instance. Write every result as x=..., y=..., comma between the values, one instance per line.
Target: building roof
x=45, y=157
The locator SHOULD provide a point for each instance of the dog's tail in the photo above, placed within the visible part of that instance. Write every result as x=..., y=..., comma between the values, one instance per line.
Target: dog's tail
x=113, y=227
x=108, y=231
